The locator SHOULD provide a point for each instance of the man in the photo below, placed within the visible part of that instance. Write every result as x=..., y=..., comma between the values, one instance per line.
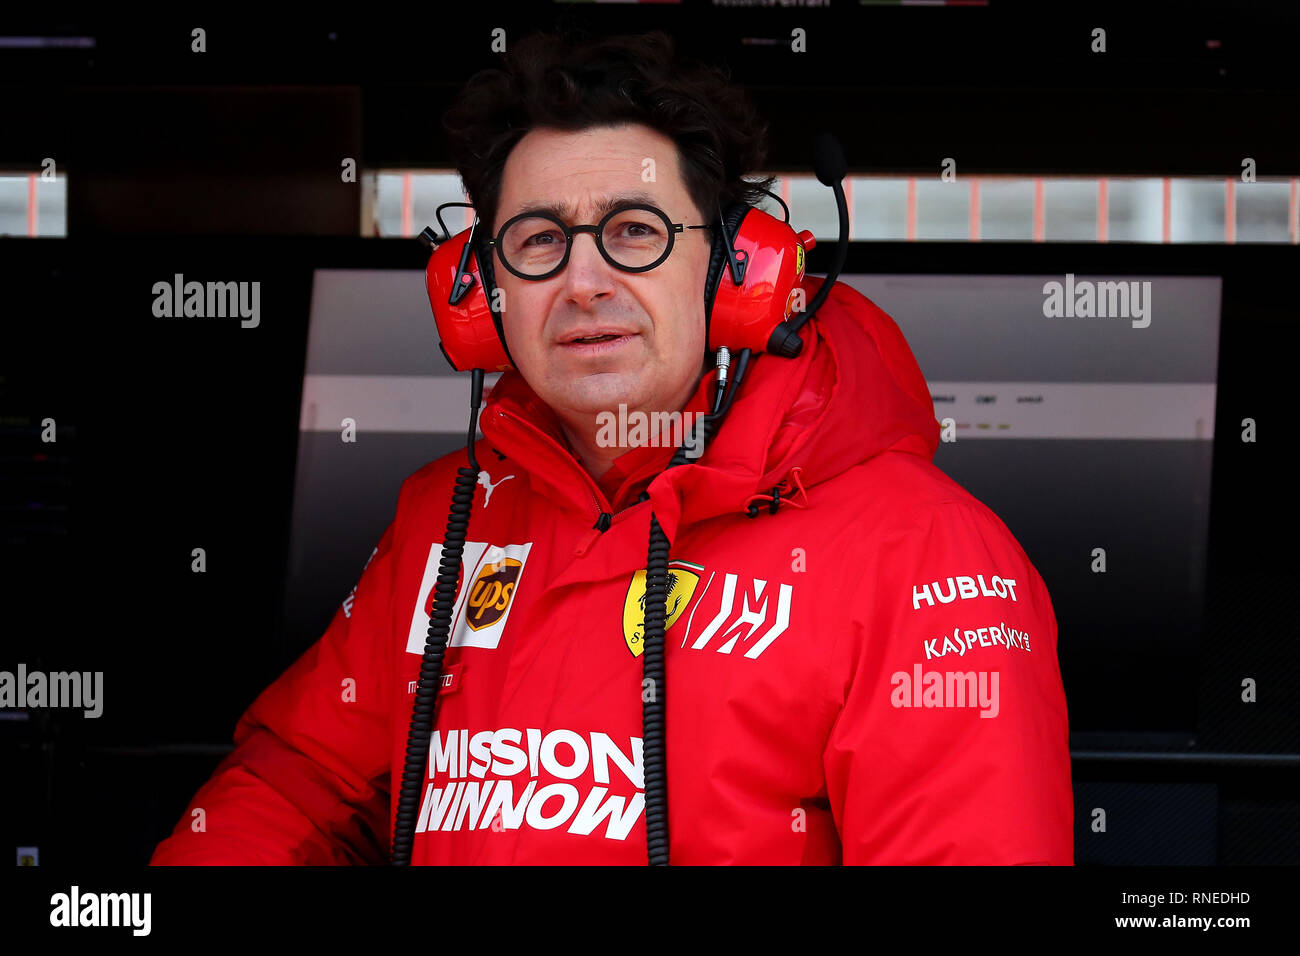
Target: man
x=862, y=670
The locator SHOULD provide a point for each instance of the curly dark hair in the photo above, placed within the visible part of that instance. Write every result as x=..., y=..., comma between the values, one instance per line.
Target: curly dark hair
x=570, y=81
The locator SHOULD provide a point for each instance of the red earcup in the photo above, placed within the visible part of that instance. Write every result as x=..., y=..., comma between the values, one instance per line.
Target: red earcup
x=468, y=334
x=744, y=316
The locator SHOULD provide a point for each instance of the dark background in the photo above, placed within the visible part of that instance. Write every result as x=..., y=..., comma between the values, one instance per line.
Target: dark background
x=228, y=164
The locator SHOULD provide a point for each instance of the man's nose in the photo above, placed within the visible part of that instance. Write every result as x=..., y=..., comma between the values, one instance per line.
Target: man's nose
x=587, y=274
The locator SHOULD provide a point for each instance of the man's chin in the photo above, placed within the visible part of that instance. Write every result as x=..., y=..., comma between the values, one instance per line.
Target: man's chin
x=602, y=392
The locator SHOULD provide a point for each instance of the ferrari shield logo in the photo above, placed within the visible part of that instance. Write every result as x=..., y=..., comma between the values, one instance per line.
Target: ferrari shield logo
x=490, y=595
x=682, y=579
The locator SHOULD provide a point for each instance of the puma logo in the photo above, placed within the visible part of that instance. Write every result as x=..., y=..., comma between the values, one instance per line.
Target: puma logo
x=485, y=480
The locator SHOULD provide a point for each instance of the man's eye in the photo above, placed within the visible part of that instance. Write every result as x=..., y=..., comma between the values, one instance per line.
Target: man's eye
x=540, y=239
x=638, y=230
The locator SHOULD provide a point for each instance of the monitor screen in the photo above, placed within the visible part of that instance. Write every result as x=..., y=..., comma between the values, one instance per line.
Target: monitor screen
x=1088, y=428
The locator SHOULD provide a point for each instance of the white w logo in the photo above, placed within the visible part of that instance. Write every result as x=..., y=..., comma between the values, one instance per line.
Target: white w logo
x=751, y=616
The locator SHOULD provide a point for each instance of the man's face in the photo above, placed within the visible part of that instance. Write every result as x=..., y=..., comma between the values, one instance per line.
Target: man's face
x=658, y=316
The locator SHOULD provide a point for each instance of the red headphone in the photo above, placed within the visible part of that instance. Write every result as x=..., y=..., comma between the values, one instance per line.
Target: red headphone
x=762, y=256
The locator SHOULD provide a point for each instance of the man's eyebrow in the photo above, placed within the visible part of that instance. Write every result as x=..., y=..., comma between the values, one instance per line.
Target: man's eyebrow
x=564, y=210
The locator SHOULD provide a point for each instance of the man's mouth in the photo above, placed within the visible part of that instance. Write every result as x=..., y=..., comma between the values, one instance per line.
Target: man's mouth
x=597, y=342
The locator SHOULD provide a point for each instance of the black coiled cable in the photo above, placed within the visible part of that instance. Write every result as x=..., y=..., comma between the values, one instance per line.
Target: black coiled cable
x=654, y=748
x=654, y=760
x=435, y=645
x=654, y=753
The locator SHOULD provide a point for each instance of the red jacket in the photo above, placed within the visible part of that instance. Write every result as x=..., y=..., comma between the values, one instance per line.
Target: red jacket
x=868, y=675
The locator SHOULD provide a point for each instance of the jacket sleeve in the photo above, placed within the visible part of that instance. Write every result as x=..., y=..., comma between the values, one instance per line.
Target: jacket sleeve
x=952, y=744
x=307, y=782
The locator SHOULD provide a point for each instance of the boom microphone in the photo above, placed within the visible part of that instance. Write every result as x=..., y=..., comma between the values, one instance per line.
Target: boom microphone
x=829, y=164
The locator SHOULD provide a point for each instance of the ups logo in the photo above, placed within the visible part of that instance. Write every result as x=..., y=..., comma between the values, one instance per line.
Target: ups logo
x=490, y=595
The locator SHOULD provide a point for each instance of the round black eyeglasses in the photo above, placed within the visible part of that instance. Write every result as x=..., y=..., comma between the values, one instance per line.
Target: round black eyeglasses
x=632, y=237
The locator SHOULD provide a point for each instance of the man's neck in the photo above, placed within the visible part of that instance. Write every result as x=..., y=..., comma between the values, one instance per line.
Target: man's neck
x=595, y=458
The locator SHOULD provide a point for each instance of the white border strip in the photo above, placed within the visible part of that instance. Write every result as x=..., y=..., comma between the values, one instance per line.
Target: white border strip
x=413, y=404
x=420, y=404
x=1076, y=409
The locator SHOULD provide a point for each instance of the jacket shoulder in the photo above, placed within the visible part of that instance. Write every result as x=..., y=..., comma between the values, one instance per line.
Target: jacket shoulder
x=899, y=483
x=905, y=510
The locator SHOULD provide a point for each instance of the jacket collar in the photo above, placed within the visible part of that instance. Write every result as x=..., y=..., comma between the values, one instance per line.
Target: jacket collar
x=853, y=392
x=519, y=424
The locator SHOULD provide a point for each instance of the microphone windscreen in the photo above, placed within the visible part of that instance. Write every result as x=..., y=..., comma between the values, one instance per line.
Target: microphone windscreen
x=828, y=159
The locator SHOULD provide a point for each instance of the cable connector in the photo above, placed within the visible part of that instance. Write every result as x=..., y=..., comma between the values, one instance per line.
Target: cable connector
x=724, y=368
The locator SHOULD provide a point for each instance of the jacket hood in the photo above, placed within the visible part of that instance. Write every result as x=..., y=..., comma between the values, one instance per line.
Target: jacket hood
x=853, y=392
